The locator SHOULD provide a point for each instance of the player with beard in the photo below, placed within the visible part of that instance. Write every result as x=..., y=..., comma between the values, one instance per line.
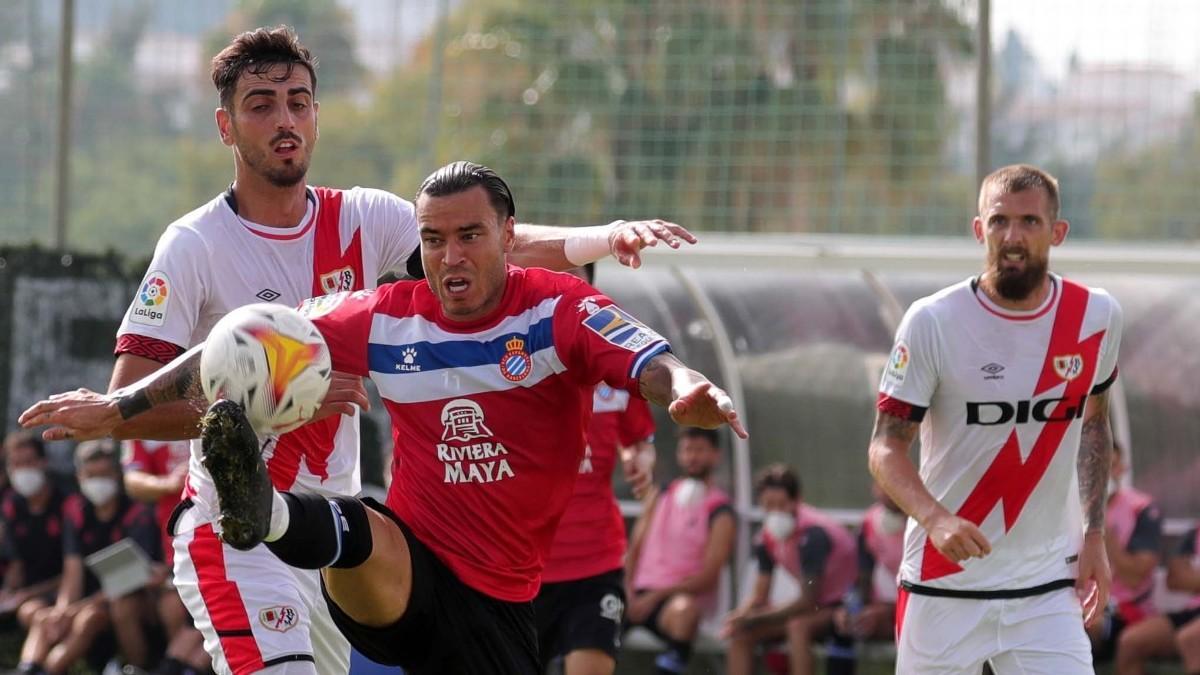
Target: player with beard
x=1007, y=376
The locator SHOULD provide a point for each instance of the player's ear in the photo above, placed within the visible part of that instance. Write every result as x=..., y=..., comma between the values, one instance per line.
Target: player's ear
x=509, y=233
x=977, y=228
x=1058, y=232
x=223, y=123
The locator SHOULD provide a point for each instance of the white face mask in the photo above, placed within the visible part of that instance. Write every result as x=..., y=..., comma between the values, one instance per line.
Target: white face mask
x=779, y=525
x=1113, y=486
x=689, y=492
x=27, y=481
x=891, y=522
x=98, y=490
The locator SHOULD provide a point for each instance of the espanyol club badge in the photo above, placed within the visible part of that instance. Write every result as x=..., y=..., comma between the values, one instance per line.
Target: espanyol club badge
x=515, y=365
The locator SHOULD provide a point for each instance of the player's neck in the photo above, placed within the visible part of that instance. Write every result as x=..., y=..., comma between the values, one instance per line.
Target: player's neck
x=260, y=202
x=987, y=284
x=40, y=500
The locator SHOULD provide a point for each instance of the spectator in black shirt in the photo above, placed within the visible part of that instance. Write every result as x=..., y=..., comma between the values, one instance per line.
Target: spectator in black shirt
x=82, y=616
x=33, y=517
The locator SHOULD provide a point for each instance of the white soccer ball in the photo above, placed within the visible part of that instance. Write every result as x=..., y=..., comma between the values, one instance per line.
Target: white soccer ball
x=272, y=361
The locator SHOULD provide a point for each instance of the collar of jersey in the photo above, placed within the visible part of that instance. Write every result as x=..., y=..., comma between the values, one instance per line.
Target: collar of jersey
x=503, y=309
x=278, y=233
x=1015, y=315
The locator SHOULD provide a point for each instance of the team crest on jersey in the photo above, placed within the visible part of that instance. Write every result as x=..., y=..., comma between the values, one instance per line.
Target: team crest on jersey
x=1068, y=366
x=516, y=364
x=338, y=280
x=150, y=306
x=280, y=618
x=617, y=327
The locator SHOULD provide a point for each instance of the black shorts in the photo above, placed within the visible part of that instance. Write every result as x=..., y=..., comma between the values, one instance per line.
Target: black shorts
x=1105, y=646
x=449, y=627
x=581, y=614
x=1183, y=617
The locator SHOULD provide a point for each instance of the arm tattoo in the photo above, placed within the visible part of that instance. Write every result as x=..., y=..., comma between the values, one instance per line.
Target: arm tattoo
x=655, y=380
x=1095, y=451
x=888, y=425
x=180, y=380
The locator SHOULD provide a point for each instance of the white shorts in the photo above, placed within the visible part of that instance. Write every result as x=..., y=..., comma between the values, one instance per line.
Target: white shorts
x=1038, y=635
x=254, y=611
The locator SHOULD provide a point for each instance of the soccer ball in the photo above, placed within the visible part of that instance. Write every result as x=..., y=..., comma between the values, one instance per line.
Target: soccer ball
x=272, y=361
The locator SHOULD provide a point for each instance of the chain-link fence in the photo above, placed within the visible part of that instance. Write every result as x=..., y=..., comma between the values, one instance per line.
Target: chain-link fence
x=852, y=116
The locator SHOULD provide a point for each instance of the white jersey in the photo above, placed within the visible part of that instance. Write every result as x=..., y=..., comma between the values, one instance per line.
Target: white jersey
x=212, y=261
x=1005, y=394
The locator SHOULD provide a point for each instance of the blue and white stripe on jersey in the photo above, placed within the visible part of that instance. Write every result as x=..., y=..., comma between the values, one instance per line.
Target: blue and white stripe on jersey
x=413, y=360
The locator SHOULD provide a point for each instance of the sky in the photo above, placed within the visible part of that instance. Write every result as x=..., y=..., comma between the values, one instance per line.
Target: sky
x=1161, y=32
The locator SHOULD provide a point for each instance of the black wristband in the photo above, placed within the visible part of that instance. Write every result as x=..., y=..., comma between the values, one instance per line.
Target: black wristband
x=132, y=404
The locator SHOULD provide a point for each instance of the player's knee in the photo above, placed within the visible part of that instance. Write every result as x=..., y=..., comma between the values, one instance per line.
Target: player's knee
x=1187, y=639
x=91, y=618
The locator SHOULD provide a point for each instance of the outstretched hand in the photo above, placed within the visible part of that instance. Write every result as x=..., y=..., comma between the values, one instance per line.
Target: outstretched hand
x=707, y=406
x=345, y=392
x=629, y=237
x=78, y=415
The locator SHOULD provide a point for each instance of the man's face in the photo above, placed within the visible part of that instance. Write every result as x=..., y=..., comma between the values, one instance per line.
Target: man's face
x=271, y=123
x=697, y=457
x=1017, y=229
x=99, y=467
x=776, y=499
x=464, y=241
x=23, y=457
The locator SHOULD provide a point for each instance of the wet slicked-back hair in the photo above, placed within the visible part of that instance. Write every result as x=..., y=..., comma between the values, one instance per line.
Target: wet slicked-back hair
x=1018, y=178
x=256, y=52
x=462, y=176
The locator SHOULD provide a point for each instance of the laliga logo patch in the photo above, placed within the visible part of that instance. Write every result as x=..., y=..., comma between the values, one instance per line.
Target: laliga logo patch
x=280, y=618
x=150, y=307
x=338, y=280
x=515, y=365
x=897, y=363
x=322, y=304
x=1068, y=366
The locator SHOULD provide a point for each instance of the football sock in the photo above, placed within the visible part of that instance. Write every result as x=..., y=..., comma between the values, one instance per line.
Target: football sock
x=323, y=532
x=280, y=516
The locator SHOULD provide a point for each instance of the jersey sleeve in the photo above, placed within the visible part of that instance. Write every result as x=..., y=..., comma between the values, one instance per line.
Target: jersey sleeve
x=598, y=341
x=911, y=375
x=1106, y=372
x=166, y=305
x=637, y=423
x=814, y=553
x=866, y=559
x=344, y=320
x=1147, y=531
x=762, y=556
x=1187, y=546
x=390, y=224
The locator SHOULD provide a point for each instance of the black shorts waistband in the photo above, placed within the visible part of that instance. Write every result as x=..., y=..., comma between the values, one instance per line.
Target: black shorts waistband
x=998, y=594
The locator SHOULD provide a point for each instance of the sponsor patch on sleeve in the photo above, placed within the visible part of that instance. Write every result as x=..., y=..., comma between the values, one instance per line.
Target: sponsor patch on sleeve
x=322, y=304
x=152, y=299
x=897, y=364
x=619, y=328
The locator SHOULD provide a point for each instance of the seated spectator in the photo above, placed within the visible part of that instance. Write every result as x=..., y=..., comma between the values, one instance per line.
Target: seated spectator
x=83, y=622
x=154, y=473
x=817, y=552
x=33, y=516
x=679, y=546
x=880, y=551
x=1134, y=543
x=1168, y=635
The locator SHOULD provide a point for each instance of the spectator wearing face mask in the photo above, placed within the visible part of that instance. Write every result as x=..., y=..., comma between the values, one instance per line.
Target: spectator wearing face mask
x=817, y=552
x=83, y=622
x=33, y=517
x=870, y=612
x=679, y=545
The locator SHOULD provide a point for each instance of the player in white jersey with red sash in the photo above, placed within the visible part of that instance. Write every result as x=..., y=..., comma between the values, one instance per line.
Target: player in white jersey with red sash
x=1007, y=375
x=488, y=428
x=273, y=238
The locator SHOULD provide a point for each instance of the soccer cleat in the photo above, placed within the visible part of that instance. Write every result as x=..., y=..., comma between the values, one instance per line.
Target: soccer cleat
x=234, y=460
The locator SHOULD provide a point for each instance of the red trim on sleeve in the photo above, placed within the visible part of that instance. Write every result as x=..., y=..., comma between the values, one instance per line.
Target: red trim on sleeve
x=902, y=409
x=147, y=347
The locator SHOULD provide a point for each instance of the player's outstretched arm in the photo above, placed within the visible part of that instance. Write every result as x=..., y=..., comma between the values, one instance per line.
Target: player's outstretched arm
x=956, y=538
x=1092, y=464
x=562, y=248
x=169, y=422
x=84, y=414
x=691, y=399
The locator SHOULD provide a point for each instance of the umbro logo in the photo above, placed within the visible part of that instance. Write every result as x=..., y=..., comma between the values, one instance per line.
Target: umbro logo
x=268, y=295
x=992, y=371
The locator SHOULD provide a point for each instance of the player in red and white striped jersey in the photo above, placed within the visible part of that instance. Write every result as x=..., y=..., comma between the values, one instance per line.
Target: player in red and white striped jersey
x=1007, y=375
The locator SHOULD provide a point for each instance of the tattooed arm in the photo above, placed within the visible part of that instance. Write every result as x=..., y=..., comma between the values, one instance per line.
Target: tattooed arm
x=955, y=537
x=1095, y=451
x=84, y=414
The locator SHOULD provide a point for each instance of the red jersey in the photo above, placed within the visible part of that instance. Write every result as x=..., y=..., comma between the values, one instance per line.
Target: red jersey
x=158, y=458
x=487, y=416
x=591, y=535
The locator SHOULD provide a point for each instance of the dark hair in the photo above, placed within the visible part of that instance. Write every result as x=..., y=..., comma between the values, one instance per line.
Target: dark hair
x=1018, y=178
x=461, y=176
x=100, y=449
x=27, y=439
x=256, y=52
x=779, y=476
x=709, y=435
